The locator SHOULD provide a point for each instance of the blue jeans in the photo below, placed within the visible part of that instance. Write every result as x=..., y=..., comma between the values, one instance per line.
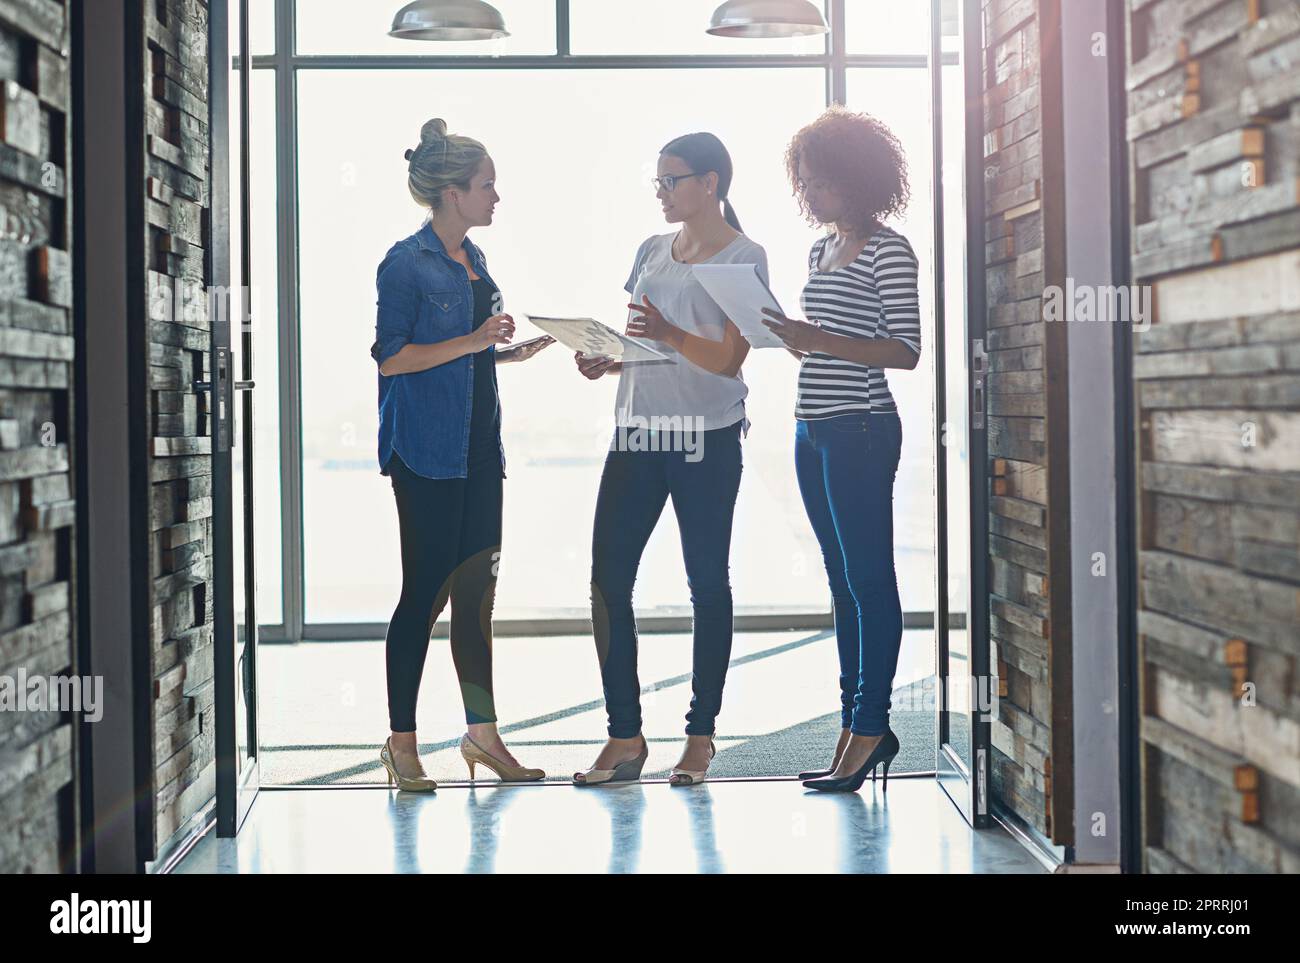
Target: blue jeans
x=633, y=489
x=846, y=466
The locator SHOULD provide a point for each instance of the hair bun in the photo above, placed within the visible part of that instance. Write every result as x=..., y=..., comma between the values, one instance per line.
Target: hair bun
x=408, y=153
x=435, y=129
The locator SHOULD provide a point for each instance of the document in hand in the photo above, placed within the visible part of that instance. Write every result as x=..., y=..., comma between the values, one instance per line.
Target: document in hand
x=742, y=295
x=593, y=338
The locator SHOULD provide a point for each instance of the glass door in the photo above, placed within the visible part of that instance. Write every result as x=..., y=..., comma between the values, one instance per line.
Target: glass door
x=231, y=391
x=960, y=614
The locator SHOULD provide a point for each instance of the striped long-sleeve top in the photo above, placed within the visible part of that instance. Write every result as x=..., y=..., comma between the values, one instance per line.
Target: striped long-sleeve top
x=873, y=297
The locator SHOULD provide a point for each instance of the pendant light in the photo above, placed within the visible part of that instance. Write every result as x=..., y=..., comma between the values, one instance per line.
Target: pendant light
x=766, y=18
x=449, y=20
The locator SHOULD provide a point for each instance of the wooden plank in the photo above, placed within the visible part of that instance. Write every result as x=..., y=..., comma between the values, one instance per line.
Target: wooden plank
x=1263, y=285
x=1210, y=760
x=1221, y=484
x=52, y=276
x=1282, y=23
x=20, y=118
x=1174, y=140
x=1221, y=599
x=1261, y=738
x=19, y=343
x=1283, y=326
x=1248, y=142
x=1261, y=440
x=1020, y=479
x=26, y=462
x=32, y=172
x=1253, y=359
x=1156, y=63
x=1026, y=556
x=1163, y=862
x=21, y=643
x=1276, y=391
x=1266, y=235
x=53, y=85
x=42, y=19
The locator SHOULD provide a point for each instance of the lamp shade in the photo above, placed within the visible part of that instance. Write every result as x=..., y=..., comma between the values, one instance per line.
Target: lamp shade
x=766, y=18
x=448, y=20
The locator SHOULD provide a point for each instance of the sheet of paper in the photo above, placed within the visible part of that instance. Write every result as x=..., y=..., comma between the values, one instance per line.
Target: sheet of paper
x=593, y=338
x=742, y=295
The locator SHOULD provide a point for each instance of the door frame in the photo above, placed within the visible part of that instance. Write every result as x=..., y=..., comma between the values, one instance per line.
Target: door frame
x=111, y=437
x=970, y=792
x=236, y=787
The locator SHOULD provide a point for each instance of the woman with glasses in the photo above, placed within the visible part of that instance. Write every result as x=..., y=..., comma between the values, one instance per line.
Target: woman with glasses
x=437, y=334
x=849, y=174
x=678, y=436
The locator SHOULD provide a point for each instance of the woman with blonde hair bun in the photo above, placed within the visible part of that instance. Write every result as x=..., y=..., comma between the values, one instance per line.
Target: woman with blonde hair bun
x=439, y=335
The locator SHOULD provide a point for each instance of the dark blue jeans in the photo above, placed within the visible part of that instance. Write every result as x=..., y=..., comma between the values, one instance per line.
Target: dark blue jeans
x=633, y=489
x=846, y=466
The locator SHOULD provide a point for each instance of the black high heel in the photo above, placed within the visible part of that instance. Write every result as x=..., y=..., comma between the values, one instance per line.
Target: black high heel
x=885, y=751
x=814, y=773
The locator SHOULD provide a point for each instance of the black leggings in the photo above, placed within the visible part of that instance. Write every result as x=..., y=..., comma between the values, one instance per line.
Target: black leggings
x=451, y=543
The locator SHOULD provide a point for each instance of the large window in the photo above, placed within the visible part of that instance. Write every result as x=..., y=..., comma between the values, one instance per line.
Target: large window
x=574, y=145
x=575, y=205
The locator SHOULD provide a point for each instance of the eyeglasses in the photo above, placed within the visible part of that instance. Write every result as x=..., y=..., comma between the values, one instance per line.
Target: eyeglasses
x=668, y=182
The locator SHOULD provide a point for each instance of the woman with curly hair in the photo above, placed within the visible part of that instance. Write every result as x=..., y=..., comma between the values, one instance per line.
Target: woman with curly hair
x=849, y=174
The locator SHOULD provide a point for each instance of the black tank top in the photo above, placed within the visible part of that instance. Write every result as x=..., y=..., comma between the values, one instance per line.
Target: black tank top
x=485, y=415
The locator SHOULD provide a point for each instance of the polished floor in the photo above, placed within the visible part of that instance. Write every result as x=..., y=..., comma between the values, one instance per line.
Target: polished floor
x=323, y=708
x=773, y=826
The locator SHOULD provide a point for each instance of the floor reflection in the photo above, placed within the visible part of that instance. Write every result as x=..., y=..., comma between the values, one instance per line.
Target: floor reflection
x=721, y=826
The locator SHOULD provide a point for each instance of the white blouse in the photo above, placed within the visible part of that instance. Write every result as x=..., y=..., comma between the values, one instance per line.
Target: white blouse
x=678, y=394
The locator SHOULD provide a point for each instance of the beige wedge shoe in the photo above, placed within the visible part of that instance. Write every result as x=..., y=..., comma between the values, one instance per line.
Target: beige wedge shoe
x=629, y=770
x=691, y=777
x=473, y=754
x=408, y=783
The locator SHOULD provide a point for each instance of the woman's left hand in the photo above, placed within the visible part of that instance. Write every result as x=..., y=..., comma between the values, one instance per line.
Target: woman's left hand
x=651, y=324
x=798, y=336
x=525, y=351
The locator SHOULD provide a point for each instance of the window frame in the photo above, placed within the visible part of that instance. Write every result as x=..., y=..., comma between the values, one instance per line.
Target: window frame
x=286, y=62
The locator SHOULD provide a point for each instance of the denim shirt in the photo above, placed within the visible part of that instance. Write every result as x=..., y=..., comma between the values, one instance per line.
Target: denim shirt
x=425, y=297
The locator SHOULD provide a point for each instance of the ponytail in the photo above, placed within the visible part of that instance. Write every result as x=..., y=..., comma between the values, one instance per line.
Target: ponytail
x=729, y=213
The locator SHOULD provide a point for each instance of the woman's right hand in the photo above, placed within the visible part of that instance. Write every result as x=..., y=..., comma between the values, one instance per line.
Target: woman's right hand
x=593, y=368
x=498, y=329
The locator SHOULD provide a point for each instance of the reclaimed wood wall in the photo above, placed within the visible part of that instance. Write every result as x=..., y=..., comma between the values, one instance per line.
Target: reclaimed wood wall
x=1214, y=133
x=1025, y=740
x=180, y=472
x=37, y=512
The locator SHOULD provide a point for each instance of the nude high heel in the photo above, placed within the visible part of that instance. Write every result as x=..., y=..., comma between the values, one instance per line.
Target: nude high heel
x=473, y=754
x=408, y=783
x=629, y=770
x=691, y=777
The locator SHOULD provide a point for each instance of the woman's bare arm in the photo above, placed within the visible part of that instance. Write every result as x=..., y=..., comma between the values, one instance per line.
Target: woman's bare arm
x=877, y=352
x=721, y=357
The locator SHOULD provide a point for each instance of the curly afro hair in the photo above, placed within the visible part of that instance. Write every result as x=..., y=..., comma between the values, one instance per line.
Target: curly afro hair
x=860, y=156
